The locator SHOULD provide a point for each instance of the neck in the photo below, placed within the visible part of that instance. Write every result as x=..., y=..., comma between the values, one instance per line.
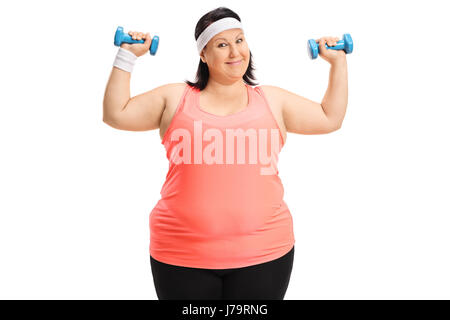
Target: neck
x=227, y=91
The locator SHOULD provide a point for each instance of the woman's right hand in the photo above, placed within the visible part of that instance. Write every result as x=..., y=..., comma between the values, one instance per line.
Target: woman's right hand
x=139, y=49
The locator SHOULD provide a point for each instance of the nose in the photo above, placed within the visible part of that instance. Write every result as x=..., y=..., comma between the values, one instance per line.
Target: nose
x=234, y=50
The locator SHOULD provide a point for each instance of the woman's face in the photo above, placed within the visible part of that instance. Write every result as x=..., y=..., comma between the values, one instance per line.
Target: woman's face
x=227, y=46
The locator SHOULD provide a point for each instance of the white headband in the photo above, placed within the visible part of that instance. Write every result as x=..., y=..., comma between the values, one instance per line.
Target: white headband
x=215, y=28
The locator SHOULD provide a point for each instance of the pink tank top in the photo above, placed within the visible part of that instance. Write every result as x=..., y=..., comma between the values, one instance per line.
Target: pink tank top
x=221, y=204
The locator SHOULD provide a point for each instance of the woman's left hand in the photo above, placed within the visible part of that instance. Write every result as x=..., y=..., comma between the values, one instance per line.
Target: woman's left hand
x=329, y=55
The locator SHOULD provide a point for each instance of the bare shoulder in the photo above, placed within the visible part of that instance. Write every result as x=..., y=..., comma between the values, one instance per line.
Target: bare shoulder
x=276, y=93
x=172, y=96
x=271, y=89
x=173, y=90
x=274, y=96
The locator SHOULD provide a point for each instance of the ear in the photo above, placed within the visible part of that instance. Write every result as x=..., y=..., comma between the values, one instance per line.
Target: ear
x=202, y=55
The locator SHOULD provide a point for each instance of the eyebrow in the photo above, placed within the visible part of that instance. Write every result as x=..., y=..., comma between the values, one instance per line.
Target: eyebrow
x=226, y=39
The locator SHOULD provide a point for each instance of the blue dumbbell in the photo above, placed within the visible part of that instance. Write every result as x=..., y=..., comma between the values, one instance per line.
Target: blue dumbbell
x=346, y=44
x=121, y=37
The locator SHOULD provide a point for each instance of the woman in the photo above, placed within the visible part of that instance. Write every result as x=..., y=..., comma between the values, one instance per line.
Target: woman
x=221, y=229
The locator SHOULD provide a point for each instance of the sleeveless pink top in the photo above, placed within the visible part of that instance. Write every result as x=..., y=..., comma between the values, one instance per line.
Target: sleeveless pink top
x=222, y=202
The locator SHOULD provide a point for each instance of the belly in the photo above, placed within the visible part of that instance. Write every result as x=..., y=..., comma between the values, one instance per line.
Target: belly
x=218, y=204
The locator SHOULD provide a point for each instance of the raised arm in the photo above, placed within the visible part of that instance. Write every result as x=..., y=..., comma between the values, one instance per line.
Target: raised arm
x=301, y=115
x=140, y=113
x=304, y=116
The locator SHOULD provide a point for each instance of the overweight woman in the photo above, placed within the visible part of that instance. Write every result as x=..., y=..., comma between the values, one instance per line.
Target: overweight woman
x=221, y=229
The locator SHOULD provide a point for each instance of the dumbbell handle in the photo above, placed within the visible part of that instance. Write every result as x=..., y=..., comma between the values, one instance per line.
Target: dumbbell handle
x=128, y=39
x=122, y=37
x=339, y=45
x=345, y=44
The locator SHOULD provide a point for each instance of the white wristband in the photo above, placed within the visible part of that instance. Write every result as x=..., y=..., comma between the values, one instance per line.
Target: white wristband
x=125, y=60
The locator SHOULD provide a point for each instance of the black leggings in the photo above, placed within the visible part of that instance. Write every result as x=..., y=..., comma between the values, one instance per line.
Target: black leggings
x=264, y=281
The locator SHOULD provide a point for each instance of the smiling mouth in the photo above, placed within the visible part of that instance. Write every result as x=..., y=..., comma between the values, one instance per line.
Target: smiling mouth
x=236, y=62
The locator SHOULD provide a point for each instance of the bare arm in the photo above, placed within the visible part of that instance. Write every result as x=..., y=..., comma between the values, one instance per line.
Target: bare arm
x=301, y=115
x=117, y=93
x=140, y=113
x=305, y=116
x=336, y=98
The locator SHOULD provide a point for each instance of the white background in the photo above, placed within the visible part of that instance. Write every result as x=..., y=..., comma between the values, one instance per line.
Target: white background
x=369, y=201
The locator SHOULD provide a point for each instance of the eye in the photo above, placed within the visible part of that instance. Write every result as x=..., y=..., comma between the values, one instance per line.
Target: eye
x=225, y=43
